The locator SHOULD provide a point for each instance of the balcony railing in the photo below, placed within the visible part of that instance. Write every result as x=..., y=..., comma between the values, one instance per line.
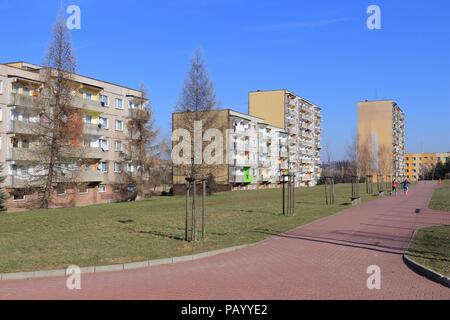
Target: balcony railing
x=21, y=154
x=20, y=100
x=92, y=129
x=23, y=127
x=81, y=103
x=26, y=181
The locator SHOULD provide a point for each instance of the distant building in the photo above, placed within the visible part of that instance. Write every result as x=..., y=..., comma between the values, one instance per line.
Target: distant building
x=280, y=134
x=302, y=120
x=419, y=163
x=381, y=133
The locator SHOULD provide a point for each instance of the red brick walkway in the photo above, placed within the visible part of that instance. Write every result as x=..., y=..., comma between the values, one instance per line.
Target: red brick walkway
x=327, y=259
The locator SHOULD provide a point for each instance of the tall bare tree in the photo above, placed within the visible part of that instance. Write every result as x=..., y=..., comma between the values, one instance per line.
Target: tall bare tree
x=58, y=130
x=352, y=156
x=384, y=160
x=364, y=157
x=142, y=135
x=197, y=101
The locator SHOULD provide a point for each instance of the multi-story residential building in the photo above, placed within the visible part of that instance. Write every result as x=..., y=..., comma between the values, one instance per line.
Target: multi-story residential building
x=254, y=153
x=418, y=163
x=105, y=109
x=381, y=132
x=302, y=120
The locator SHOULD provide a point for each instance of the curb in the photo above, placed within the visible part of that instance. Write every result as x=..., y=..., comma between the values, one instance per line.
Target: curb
x=120, y=267
x=421, y=269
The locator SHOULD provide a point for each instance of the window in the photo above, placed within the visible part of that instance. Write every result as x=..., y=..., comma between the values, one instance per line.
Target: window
x=1, y=86
x=102, y=188
x=119, y=125
x=104, y=123
x=119, y=103
x=25, y=143
x=105, y=100
x=117, y=167
x=118, y=146
x=103, y=166
x=83, y=190
x=60, y=190
x=19, y=196
x=130, y=167
x=88, y=96
x=14, y=142
x=87, y=119
x=131, y=105
x=103, y=144
x=26, y=91
x=15, y=88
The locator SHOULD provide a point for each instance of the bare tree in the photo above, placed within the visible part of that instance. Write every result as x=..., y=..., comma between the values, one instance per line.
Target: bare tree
x=59, y=128
x=364, y=158
x=142, y=135
x=384, y=160
x=197, y=101
x=352, y=156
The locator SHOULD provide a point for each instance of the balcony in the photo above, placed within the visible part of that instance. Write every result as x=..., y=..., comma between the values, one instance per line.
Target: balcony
x=21, y=154
x=81, y=103
x=23, y=127
x=92, y=129
x=237, y=178
x=20, y=100
x=15, y=181
x=84, y=153
x=85, y=176
x=138, y=114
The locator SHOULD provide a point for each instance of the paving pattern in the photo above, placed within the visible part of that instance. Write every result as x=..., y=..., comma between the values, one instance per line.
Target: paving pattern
x=327, y=259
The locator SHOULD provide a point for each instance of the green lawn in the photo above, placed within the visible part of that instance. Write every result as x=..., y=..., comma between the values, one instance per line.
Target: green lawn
x=431, y=247
x=151, y=229
x=441, y=198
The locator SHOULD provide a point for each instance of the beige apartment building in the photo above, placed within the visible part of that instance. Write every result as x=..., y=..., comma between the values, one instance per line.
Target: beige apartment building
x=281, y=134
x=106, y=109
x=302, y=120
x=381, y=134
x=253, y=152
x=418, y=163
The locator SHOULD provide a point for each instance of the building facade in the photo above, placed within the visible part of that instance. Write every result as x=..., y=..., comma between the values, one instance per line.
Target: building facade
x=302, y=120
x=381, y=134
x=253, y=152
x=418, y=163
x=104, y=143
x=261, y=147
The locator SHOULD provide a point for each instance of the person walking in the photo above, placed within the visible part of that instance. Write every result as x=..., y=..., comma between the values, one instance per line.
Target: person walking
x=406, y=186
x=394, y=186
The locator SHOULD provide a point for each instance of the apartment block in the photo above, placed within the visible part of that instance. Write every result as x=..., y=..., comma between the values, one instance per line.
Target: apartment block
x=302, y=120
x=381, y=133
x=254, y=152
x=105, y=108
x=417, y=163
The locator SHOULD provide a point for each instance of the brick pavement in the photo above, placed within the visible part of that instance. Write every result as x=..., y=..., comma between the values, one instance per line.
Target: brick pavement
x=326, y=259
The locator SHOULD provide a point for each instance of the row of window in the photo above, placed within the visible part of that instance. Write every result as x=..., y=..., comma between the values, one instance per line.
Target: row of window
x=24, y=143
x=104, y=99
x=104, y=122
x=426, y=158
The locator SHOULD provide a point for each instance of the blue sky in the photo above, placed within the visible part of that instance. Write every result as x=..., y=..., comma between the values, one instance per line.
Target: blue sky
x=320, y=50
